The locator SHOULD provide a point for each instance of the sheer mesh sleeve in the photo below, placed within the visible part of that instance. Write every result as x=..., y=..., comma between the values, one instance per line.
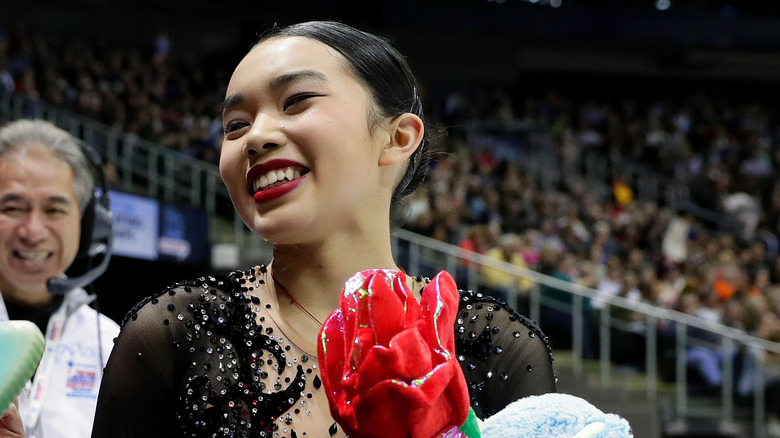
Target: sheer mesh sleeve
x=504, y=355
x=137, y=391
x=192, y=361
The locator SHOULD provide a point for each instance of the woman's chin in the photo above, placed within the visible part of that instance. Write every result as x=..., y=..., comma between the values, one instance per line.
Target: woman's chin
x=288, y=232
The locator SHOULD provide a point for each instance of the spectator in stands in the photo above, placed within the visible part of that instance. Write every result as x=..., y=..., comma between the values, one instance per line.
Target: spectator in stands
x=675, y=240
x=499, y=281
x=548, y=237
x=745, y=210
x=556, y=314
x=477, y=239
x=621, y=191
x=611, y=284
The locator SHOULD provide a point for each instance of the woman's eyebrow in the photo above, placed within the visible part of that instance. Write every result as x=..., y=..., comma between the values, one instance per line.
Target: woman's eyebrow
x=286, y=78
x=232, y=100
x=275, y=84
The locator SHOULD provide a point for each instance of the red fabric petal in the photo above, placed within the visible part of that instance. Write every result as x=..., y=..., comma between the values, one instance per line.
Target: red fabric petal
x=394, y=362
x=385, y=309
x=440, y=301
x=387, y=361
x=416, y=410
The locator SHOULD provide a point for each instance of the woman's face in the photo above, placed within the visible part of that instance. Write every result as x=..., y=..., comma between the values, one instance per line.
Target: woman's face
x=298, y=158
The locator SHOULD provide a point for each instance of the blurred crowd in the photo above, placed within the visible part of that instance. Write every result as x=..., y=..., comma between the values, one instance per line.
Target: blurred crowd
x=723, y=146
x=608, y=239
x=147, y=90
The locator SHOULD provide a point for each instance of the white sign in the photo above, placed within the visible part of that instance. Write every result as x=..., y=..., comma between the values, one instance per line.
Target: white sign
x=136, y=226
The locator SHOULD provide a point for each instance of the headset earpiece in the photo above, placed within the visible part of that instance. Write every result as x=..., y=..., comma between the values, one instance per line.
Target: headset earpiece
x=96, y=234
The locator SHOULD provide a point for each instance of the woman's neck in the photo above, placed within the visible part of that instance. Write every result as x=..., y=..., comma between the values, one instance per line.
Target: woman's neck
x=315, y=274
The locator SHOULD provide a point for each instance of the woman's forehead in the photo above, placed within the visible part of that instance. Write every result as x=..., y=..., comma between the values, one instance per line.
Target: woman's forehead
x=277, y=55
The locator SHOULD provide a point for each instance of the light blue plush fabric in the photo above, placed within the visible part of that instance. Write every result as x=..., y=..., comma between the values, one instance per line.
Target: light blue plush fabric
x=554, y=415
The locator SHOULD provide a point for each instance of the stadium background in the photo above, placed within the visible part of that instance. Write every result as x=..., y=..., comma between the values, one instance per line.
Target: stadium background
x=580, y=48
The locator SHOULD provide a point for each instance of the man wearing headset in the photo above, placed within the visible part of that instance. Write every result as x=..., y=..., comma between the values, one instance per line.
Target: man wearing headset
x=46, y=196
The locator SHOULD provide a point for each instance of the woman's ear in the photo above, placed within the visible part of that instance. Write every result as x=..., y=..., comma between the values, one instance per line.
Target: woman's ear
x=406, y=133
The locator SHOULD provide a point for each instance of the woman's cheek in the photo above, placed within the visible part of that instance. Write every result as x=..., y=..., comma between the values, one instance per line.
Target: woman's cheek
x=230, y=171
x=224, y=162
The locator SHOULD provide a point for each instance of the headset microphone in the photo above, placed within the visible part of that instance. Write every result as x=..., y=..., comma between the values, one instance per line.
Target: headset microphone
x=96, y=235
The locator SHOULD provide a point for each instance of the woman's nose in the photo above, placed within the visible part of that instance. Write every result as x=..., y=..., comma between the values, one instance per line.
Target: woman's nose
x=265, y=133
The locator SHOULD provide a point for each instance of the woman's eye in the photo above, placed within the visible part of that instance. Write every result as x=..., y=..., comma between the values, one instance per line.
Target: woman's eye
x=232, y=126
x=297, y=98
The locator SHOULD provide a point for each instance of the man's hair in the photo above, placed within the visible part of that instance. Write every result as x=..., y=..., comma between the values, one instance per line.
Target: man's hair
x=21, y=135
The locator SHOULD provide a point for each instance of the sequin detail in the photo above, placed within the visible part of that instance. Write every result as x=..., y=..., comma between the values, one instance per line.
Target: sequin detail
x=239, y=376
x=240, y=381
x=487, y=341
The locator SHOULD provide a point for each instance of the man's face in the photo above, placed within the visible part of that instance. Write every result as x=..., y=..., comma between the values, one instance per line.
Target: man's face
x=40, y=223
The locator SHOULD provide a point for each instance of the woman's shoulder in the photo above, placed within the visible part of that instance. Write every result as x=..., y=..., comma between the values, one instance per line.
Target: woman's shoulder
x=223, y=288
x=483, y=316
x=504, y=355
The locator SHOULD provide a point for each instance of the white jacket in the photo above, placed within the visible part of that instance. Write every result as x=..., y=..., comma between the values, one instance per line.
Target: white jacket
x=70, y=371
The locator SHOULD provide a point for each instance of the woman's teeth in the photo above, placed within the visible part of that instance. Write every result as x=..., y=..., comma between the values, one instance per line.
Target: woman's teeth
x=276, y=177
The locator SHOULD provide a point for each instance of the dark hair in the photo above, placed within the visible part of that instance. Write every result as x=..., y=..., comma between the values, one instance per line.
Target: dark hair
x=388, y=77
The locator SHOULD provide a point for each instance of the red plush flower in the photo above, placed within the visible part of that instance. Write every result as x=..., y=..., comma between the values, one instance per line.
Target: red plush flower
x=388, y=361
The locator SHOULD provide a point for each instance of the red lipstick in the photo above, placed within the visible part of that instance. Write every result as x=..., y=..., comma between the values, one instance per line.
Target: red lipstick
x=279, y=190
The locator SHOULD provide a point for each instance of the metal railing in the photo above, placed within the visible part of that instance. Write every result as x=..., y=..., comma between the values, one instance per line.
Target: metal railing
x=152, y=170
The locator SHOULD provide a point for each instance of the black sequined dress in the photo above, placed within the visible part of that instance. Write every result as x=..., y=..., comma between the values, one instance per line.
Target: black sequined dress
x=211, y=357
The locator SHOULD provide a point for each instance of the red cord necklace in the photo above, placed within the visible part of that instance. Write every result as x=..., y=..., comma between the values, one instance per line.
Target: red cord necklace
x=292, y=298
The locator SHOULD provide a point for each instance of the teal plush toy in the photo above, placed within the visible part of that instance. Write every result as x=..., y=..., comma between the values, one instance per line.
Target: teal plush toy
x=548, y=415
x=554, y=415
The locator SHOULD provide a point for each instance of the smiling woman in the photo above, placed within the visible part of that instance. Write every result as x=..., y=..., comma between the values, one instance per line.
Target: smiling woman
x=324, y=135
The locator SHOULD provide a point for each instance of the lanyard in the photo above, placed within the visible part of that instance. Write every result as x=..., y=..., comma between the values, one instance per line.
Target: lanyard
x=40, y=381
